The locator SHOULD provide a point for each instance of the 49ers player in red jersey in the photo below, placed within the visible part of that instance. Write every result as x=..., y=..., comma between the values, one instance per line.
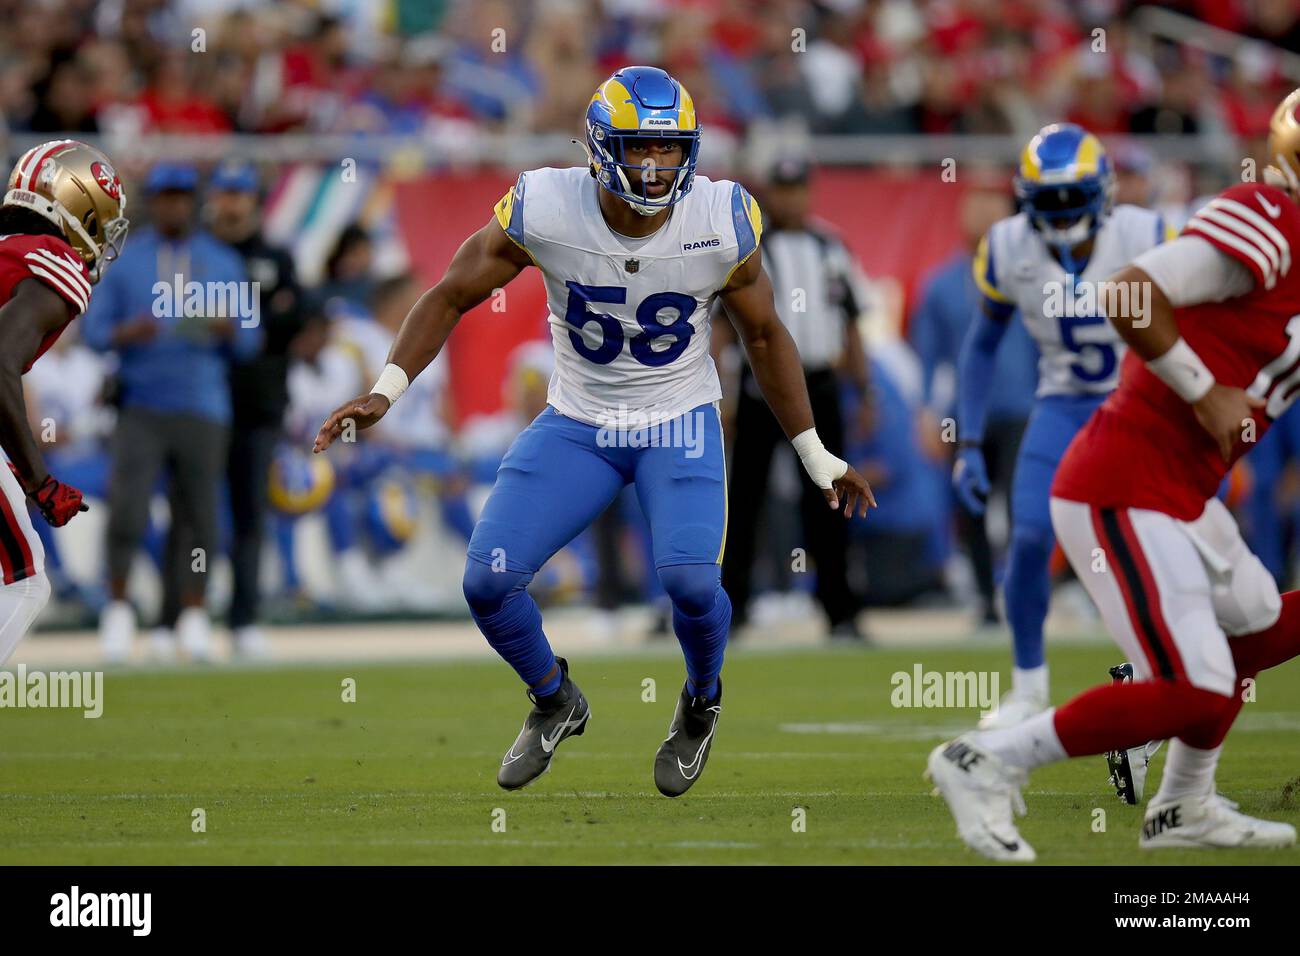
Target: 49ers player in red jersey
x=1214, y=358
x=61, y=222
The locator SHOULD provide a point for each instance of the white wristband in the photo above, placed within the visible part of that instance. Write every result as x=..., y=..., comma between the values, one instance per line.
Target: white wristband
x=1183, y=371
x=822, y=467
x=392, y=383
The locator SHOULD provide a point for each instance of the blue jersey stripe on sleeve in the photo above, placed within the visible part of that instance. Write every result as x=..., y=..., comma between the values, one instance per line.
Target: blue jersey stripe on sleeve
x=745, y=238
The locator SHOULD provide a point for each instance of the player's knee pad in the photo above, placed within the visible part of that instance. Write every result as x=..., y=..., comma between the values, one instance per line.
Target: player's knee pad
x=1243, y=592
x=1248, y=600
x=486, y=588
x=693, y=588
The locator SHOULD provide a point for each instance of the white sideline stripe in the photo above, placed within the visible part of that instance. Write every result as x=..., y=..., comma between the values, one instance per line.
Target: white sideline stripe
x=1228, y=239
x=72, y=268
x=71, y=294
x=1246, y=231
x=1260, y=223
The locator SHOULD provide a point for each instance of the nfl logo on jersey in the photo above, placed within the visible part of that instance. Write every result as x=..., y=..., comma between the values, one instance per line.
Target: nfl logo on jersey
x=632, y=265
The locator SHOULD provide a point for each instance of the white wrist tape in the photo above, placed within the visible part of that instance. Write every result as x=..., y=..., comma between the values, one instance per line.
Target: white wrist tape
x=822, y=467
x=392, y=383
x=1182, y=370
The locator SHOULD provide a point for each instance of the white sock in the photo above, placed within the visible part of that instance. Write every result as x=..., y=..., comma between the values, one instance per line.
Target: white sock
x=1031, y=682
x=1189, y=772
x=1030, y=744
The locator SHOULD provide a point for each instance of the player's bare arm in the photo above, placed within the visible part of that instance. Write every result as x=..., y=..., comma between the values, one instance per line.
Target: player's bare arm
x=775, y=361
x=1153, y=335
x=33, y=313
x=486, y=261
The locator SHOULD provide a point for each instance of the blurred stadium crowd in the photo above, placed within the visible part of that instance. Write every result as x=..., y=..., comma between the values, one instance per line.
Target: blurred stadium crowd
x=842, y=66
x=379, y=528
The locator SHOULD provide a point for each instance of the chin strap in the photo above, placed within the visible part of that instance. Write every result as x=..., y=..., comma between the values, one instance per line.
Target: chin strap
x=591, y=160
x=642, y=208
x=1063, y=242
x=645, y=209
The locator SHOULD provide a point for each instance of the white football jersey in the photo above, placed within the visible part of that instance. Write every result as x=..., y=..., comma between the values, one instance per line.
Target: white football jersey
x=1079, y=350
x=629, y=318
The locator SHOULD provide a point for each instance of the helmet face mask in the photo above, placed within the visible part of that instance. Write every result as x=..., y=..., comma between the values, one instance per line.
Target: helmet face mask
x=1065, y=215
x=74, y=186
x=640, y=105
x=1065, y=185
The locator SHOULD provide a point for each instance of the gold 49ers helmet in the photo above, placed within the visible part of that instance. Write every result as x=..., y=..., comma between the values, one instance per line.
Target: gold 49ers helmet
x=75, y=187
x=1284, y=146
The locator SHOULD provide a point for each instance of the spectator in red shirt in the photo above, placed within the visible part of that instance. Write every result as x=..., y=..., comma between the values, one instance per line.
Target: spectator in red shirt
x=173, y=100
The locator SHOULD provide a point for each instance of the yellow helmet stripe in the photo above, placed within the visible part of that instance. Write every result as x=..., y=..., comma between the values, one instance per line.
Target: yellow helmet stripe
x=622, y=112
x=686, y=111
x=1088, y=158
x=1030, y=167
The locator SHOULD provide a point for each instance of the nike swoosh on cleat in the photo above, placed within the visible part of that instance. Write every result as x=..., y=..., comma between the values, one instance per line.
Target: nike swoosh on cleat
x=510, y=756
x=683, y=768
x=1009, y=847
x=549, y=745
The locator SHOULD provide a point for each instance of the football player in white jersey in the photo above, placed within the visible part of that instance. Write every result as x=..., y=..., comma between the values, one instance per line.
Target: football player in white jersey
x=633, y=248
x=1046, y=262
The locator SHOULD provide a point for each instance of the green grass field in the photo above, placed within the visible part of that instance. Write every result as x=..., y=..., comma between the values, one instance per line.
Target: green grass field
x=288, y=773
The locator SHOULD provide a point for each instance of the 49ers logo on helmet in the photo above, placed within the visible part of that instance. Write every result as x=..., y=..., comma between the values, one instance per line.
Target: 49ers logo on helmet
x=107, y=179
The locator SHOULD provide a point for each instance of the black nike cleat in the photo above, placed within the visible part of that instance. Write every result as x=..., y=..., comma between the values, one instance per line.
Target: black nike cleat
x=553, y=718
x=1128, y=768
x=682, y=756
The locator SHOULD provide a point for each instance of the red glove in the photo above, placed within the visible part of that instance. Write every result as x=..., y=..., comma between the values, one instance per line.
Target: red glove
x=57, y=502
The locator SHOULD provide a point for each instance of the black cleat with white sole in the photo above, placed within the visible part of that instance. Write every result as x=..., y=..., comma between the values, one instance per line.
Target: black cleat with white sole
x=1128, y=768
x=553, y=718
x=682, y=756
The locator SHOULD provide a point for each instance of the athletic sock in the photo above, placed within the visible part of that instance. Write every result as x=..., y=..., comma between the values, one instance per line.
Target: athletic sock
x=1030, y=744
x=703, y=639
x=1189, y=772
x=1028, y=588
x=548, y=687
x=1255, y=652
x=1121, y=716
x=1031, y=681
x=509, y=618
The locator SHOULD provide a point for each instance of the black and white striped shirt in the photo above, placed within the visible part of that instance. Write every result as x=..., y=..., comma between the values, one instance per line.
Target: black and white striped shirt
x=817, y=287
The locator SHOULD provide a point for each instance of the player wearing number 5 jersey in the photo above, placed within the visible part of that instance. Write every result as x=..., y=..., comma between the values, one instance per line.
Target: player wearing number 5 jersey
x=1213, y=359
x=633, y=248
x=1046, y=263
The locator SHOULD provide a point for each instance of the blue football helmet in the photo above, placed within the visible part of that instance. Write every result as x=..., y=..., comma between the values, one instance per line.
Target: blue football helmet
x=299, y=482
x=638, y=103
x=1065, y=184
x=392, y=512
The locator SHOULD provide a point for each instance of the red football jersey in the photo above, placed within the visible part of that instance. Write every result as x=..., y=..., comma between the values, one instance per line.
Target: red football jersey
x=52, y=261
x=1144, y=447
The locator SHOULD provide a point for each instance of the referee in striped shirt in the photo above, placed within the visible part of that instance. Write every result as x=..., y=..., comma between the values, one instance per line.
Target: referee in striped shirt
x=819, y=296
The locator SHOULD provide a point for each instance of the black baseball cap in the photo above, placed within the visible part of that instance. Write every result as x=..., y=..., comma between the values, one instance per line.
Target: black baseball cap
x=789, y=171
